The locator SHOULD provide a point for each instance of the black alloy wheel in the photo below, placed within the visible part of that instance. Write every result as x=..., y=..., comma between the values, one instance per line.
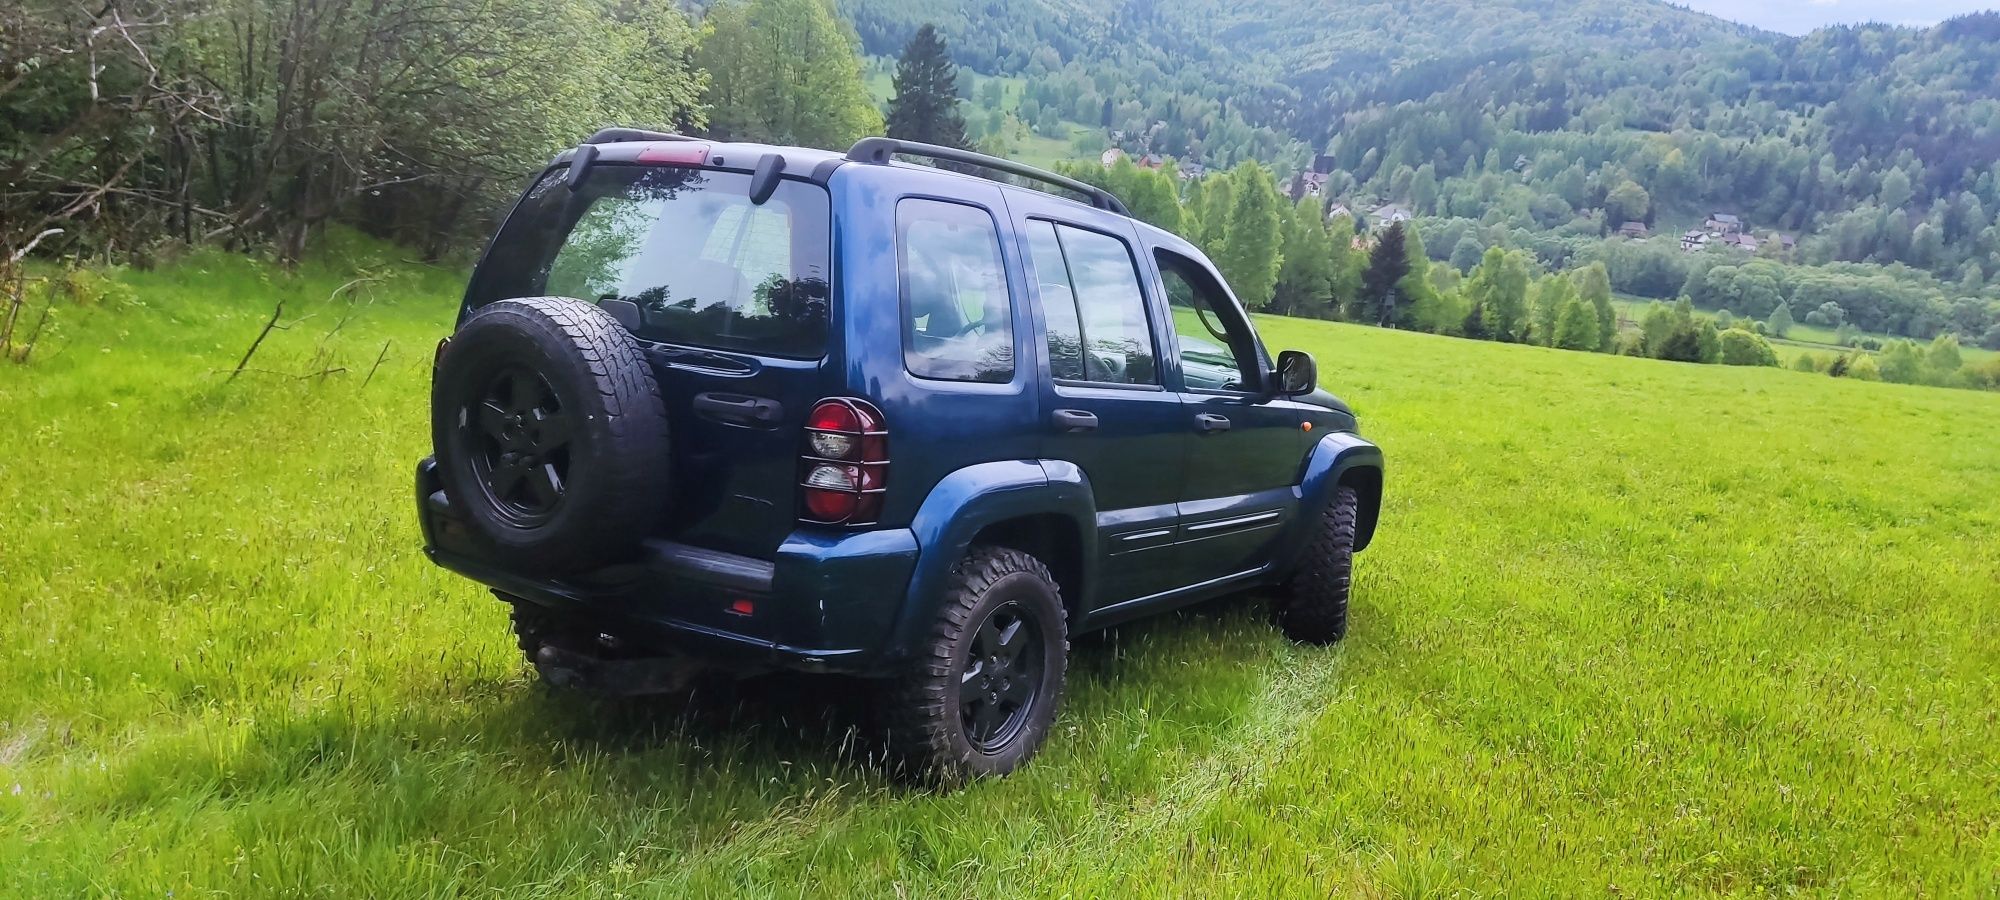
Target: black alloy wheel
x=522, y=434
x=984, y=689
x=1002, y=678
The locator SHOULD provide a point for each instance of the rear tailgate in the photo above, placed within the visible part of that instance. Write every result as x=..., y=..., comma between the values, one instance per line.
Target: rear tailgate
x=730, y=297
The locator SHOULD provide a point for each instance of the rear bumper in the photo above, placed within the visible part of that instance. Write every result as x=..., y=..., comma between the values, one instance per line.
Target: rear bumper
x=822, y=604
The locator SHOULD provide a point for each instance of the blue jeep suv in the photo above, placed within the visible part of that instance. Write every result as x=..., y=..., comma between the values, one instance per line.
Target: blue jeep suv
x=738, y=406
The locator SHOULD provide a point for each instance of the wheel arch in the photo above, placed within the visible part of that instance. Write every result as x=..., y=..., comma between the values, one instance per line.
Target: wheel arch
x=1340, y=458
x=1366, y=480
x=1041, y=507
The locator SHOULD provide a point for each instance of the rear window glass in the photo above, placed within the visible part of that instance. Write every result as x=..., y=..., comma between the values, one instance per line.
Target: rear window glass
x=704, y=265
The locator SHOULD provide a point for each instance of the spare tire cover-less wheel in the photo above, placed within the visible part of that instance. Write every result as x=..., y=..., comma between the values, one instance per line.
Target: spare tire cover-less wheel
x=550, y=433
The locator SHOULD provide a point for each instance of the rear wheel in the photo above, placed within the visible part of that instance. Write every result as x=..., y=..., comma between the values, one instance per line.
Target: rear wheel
x=987, y=684
x=1311, y=606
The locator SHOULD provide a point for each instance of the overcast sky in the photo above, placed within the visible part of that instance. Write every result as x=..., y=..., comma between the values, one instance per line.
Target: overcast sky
x=1801, y=16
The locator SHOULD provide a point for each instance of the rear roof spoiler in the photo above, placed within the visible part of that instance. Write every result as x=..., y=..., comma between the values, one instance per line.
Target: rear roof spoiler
x=627, y=135
x=878, y=150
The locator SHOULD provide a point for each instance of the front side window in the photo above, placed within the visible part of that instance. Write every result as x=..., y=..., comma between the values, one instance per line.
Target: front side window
x=1218, y=351
x=958, y=320
x=704, y=265
x=1093, y=306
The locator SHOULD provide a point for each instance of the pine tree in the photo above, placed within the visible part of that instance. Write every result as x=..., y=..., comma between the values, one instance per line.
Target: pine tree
x=925, y=107
x=1387, y=264
x=1418, y=298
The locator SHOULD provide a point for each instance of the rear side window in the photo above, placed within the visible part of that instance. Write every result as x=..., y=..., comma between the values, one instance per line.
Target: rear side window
x=958, y=320
x=1093, y=307
x=704, y=265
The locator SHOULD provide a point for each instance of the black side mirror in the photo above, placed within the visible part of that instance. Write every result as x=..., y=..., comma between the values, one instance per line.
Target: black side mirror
x=1296, y=374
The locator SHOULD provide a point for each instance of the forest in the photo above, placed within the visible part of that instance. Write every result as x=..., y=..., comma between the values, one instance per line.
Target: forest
x=1865, y=160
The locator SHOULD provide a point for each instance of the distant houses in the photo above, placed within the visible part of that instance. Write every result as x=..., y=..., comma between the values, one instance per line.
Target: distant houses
x=1306, y=184
x=1634, y=230
x=1111, y=157
x=1390, y=214
x=1729, y=230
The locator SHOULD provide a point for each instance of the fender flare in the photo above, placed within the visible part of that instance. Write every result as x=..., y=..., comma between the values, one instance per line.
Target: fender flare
x=1340, y=457
x=967, y=501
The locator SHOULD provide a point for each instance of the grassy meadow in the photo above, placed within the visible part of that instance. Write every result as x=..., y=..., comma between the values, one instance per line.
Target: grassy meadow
x=1629, y=627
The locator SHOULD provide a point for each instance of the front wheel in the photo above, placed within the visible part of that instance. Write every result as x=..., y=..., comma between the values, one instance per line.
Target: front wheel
x=986, y=685
x=1311, y=607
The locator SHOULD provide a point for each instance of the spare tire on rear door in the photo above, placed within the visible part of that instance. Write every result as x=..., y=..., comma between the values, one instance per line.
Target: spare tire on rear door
x=550, y=434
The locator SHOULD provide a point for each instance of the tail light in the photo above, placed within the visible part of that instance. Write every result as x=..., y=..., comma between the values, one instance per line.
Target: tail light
x=845, y=465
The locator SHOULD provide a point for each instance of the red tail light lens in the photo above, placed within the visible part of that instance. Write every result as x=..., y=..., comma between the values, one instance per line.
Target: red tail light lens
x=845, y=464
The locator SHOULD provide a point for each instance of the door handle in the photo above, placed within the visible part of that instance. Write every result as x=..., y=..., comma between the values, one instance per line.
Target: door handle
x=739, y=409
x=1074, y=420
x=1209, y=423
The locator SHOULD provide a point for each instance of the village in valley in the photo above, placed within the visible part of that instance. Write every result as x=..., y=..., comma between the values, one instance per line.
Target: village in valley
x=1719, y=229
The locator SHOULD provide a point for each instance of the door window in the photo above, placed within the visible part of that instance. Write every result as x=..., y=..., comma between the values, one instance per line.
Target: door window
x=1093, y=306
x=1218, y=350
x=958, y=320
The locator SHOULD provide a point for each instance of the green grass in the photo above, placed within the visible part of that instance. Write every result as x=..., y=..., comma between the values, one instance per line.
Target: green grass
x=1629, y=627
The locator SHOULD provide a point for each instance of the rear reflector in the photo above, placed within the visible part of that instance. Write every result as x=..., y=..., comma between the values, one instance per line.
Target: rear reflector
x=687, y=153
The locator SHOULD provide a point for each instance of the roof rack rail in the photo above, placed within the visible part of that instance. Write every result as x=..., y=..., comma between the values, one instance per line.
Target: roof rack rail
x=619, y=135
x=877, y=150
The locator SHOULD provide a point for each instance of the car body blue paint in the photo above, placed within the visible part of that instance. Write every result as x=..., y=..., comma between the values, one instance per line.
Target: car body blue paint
x=1171, y=517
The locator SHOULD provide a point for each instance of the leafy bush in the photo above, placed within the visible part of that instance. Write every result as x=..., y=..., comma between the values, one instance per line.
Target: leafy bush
x=1806, y=362
x=1863, y=368
x=1741, y=348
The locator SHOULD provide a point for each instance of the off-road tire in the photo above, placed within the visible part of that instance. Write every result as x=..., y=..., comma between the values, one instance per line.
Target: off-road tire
x=1311, y=606
x=614, y=478
x=928, y=739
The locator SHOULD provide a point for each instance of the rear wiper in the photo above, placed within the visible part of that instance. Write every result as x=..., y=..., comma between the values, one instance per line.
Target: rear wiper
x=690, y=356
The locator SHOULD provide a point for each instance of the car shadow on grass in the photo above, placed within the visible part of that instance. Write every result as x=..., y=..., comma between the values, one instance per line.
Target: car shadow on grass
x=833, y=723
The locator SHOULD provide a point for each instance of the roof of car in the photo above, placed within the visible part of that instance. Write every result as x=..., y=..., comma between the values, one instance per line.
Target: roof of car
x=626, y=145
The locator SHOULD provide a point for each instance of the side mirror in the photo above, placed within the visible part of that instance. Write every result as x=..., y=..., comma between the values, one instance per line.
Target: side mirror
x=1296, y=373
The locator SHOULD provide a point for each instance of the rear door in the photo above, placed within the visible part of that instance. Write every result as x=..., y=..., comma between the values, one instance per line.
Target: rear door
x=731, y=300
x=1108, y=407
x=1244, y=446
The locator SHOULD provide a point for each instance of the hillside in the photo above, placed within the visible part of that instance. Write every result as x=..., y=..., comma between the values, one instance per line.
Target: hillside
x=1595, y=651
x=1871, y=144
